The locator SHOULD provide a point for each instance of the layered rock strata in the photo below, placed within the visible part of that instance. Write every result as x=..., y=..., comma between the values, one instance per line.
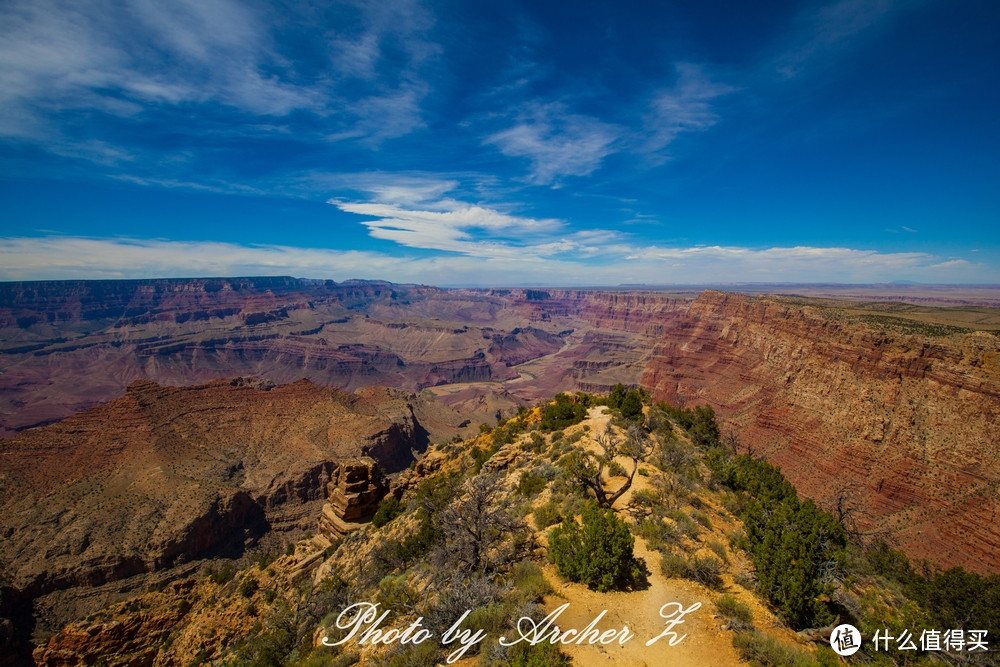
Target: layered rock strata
x=898, y=429
x=353, y=495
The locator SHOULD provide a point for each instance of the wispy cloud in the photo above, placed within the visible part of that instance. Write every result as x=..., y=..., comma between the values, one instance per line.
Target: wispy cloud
x=557, y=142
x=75, y=74
x=417, y=215
x=685, y=107
x=819, y=33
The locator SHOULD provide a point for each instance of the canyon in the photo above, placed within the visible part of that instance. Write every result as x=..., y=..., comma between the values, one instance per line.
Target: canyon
x=122, y=394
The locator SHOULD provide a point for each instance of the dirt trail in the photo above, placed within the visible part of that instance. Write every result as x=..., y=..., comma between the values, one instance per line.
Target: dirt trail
x=706, y=642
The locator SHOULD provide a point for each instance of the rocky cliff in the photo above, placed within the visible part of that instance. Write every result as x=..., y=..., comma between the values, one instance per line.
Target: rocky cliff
x=164, y=476
x=899, y=429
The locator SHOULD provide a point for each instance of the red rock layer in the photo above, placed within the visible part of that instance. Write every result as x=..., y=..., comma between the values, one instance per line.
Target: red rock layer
x=903, y=427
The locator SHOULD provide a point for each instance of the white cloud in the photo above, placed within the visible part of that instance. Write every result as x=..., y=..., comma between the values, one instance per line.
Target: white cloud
x=68, y=65
x=60, y=257
x=557, y=142
x=415, y=213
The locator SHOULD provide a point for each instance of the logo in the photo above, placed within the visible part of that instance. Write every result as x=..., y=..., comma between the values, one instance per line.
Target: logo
x=845, y=639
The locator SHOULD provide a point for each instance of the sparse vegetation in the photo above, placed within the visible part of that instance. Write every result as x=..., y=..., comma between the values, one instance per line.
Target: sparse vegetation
x=223, y=575
x=738, y=614
x=248, y=586
x=547, y=514
x=458, y=542
x=388, y=509
x=763, y=650
x=588, y=469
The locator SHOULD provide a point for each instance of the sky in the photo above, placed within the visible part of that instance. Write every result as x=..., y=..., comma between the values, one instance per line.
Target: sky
x=501, y=143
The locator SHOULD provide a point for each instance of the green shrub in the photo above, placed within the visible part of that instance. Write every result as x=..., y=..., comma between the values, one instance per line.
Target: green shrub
x=268, y=649
x=492, y=617
x=597, y=553
x=656, y=533
x=530, y=582
x=264, y=558
x=645, y=498
x=673, y=565
x=388, y=509
x=531, y=484
x=562, y=412
x=547, y=514
x=545, y=654
x=738, y=613
x=793, y=544
x=346, y=659
x=248, y=586
x=706, y=570
x=632, y=406
x=615, y=469
x=535, y=442
x=685, y=524
x=701, y=518
x=223, y=575
x=719, y=549
x=763, y=650
x=419, y=655
x=417, y=544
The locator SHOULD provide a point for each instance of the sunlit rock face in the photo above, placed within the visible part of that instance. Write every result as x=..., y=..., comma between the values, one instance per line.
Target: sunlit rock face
x=900, y=427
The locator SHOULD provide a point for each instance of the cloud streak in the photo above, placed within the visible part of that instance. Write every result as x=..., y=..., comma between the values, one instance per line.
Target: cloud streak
x=58, y=257
x=77, y=73
x=416, y=214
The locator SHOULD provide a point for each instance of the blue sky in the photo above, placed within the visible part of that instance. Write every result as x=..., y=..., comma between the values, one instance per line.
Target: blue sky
x=474, y=143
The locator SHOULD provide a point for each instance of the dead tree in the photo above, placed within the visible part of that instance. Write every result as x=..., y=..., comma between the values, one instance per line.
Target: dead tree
x=477, y=528
x=588, y=468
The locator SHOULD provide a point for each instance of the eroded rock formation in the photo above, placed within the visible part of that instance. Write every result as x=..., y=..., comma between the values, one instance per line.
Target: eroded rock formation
x=353, y=494
x=898, y=425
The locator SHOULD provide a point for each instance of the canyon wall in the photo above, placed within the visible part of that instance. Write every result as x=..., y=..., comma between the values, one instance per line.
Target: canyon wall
x=900, y=430
x=165, y=476
x=68, y=346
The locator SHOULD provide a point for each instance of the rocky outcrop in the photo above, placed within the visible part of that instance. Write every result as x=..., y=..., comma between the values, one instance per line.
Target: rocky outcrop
x=900, y=427
x=353, y=495
x=164, y=476
x=202, y=620
x=130, y=636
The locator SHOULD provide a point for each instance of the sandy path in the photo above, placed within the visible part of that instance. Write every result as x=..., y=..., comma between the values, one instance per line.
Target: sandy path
x=706, y=643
